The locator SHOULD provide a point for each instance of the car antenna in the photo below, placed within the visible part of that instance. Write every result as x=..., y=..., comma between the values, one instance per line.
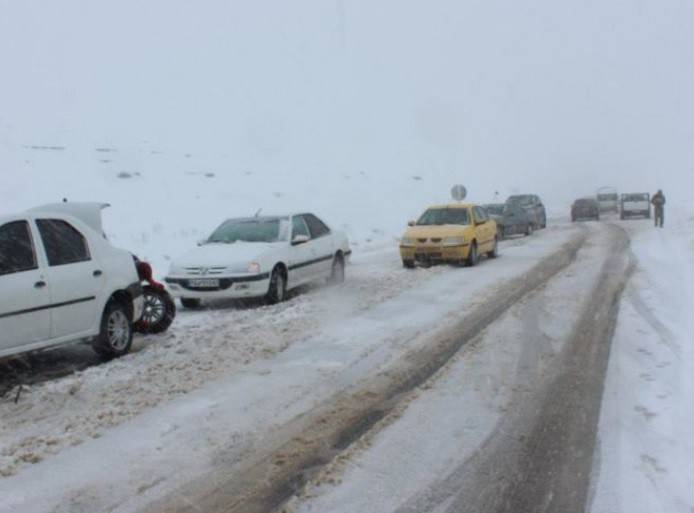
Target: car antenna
x=258, y=212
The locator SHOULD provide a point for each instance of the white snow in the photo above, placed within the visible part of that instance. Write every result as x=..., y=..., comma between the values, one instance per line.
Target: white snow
x=338, y=338
x=645, y=459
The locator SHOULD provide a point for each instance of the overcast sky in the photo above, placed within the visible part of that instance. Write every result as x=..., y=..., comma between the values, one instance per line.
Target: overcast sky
x=546, y=94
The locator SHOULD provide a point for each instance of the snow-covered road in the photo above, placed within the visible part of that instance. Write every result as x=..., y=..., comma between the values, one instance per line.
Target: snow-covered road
x=229, y=385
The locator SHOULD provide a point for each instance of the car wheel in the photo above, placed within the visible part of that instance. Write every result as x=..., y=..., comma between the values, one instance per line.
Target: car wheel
x=473, y=256
x=116, y=334
x=277, y=291
x=337, y=275
x=159, y=311
x=495, y=249
x=408, y=264
x=190, y=303
x=529, y=229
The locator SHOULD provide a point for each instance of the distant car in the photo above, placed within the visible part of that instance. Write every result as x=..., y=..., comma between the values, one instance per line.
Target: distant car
x=259, y=257
x=61, y=281
x=585, y=208
x=532, y=204
x=608, y=199
x=635, y=204
x=457, y=233
x=510, y=219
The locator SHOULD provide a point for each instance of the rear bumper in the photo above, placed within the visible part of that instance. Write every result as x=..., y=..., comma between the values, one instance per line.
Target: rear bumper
x=434, y=254
x=230, y=287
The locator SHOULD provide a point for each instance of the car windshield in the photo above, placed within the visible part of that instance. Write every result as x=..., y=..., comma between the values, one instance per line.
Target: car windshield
x=440, y=216
x=607, y=197
x=635, y=197
x=525, y=200
x=251, y=230
x=585, y=203
x=495, y=209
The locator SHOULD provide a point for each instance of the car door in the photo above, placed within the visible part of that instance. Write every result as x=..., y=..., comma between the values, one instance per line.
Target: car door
x=300, y=253
x=24, y=293
x=518, y=219
x=322, y=249
x=75, y=278
x=482, y=229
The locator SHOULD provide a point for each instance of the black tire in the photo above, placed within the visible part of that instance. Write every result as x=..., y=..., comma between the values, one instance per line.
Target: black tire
x=473, y=257
x=159, y=311
x=190, y=302
x=116, y=335
x=408, y=264
x=494, y=253
x=277, y=291
x=337, y=274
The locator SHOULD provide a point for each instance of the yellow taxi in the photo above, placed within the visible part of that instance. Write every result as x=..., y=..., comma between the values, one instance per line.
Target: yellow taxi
x=456, y=233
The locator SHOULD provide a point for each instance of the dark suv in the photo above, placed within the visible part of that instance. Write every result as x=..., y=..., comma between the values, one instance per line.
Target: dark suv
x=532, y=204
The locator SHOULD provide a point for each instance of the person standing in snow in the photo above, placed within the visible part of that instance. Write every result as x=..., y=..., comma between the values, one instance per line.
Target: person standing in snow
x=658, y=201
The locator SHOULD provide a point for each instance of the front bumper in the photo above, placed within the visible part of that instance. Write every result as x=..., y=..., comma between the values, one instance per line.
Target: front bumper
x=434, y=254
x=230, y=287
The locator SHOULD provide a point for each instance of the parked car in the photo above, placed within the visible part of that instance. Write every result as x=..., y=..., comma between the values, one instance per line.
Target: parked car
x=61, y=281
x=259, y=257
x=457, y=233
x=635, y=204
x=510, y=219
x=608, y=199
x=585, y=208
x=532, y=204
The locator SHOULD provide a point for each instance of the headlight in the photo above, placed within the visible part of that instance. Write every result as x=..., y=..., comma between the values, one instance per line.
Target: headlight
x=454, y=241
x=406, y=241
x=254, y=268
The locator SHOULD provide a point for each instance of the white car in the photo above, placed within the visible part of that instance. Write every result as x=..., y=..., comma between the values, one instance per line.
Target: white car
x=259, y=257
x=636, y=204
x=61, y=282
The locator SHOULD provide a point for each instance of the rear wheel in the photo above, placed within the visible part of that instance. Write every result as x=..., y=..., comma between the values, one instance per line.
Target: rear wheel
x=473, y=256
x=190, y=302
x=495, y=249
x=277, y=291
x=116, y=335
x=337, y=275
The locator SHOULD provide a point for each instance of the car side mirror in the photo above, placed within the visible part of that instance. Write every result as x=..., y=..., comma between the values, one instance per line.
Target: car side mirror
x=300, y=239
x=411, y=223
x=478, y=223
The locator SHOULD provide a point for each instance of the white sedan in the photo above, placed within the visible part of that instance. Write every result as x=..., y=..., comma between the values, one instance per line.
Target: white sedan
x=61, y=282
x=259, y=257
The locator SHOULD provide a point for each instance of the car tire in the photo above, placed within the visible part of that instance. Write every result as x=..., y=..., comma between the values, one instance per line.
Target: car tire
x=408, y=264
x=116, y=334
x=159, y=311
x=473, y=256
x=190, y=302
x=277, y=290
x=494, y=253
x=337, y=273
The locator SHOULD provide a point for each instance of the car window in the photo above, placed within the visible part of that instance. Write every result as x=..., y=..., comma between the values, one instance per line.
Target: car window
x=17, y=253
x=441, y=216
x=62, y=242
x=316, y=226
x=480, y=214
x=299, y=227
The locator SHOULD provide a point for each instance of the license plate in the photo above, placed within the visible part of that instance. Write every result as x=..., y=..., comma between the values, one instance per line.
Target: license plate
x=204, y=283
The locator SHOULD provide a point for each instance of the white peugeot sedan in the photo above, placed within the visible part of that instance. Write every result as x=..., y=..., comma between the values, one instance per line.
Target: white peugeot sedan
x=259, y=257
x=61, y=282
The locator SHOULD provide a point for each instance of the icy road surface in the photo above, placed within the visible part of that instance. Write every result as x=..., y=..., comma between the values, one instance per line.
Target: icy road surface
x=229, y=385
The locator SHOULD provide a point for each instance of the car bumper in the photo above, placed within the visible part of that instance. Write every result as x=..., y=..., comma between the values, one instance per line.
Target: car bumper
x=434, y=254
x=231, y=287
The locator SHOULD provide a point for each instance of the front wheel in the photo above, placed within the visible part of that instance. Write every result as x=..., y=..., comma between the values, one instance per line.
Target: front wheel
x=159, y=311
x=473, y=256
x=277, y=291
x=116, y=334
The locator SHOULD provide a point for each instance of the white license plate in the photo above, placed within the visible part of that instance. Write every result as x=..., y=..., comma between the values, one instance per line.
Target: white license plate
x=204, y=283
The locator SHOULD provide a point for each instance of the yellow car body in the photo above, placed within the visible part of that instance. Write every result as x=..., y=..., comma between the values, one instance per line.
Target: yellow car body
x=456, y=233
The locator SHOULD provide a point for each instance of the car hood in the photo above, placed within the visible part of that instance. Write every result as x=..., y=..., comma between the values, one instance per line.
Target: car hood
x=218, y=255
x=436, y=231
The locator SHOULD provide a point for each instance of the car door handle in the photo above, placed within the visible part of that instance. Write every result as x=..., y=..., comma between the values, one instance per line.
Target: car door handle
x=97, y=273
x=39, y=284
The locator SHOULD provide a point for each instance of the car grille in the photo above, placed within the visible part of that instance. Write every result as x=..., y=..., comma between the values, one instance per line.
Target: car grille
x=204, y=271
